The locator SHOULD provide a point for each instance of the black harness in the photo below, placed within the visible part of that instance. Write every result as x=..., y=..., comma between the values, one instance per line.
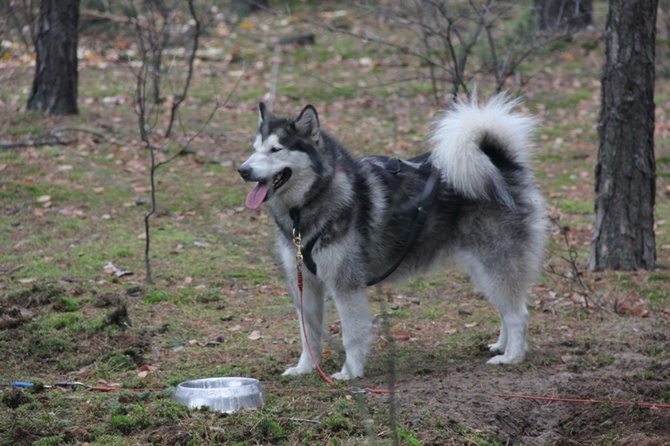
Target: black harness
x=394, y=172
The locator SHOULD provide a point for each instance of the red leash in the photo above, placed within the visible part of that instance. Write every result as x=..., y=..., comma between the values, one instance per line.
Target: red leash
x=297, y=241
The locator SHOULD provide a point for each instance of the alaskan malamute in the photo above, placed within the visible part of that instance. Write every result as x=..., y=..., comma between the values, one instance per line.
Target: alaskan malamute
x=472, y=199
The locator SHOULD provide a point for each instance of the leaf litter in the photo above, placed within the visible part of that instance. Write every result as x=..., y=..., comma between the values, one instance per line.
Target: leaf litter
x=608, y=340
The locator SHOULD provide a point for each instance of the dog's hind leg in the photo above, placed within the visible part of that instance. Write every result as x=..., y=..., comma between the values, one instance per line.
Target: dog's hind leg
x=512, y=339
x=312, y=312
x=502, y=340
x=506, y=290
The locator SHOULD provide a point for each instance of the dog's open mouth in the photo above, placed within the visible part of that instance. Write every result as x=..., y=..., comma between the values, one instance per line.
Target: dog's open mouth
x=260, y=192
x=280, y=178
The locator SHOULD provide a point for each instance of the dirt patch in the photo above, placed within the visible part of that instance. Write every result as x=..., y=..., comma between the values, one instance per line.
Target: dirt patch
x=465, y=395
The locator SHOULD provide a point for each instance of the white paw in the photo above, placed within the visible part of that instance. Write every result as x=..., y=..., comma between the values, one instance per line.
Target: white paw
x=345, y=375
x=340, y=376
x=497, y=347
x=504, y=359
x=297, y=370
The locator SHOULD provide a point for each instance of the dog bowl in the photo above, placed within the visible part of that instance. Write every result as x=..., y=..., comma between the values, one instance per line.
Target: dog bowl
x=222, y=394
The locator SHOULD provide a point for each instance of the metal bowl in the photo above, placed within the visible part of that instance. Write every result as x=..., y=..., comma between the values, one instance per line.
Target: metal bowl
x=222, y=394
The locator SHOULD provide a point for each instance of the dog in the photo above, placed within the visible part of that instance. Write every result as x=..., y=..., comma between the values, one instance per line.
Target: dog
x=470, y=199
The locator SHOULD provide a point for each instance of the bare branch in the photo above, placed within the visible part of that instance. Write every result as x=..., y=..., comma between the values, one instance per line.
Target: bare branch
x=274, y=77
x=152, y=37
x=457, y=41
x=189, y=74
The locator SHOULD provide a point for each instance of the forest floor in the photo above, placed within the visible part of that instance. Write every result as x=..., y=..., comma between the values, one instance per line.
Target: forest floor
x=71, y=217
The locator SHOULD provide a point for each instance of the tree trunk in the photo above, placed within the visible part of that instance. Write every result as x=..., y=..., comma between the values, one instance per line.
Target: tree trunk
x=557, y=15
x=55, y=84
x=623, y=236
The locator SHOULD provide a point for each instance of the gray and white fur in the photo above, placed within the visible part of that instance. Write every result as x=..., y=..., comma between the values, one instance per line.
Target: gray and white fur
x=355, y=214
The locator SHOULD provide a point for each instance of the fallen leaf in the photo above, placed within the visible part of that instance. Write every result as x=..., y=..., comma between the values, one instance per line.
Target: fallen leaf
x=110, y=269
x=141, y=189
x=255, y=335
x=401, y=335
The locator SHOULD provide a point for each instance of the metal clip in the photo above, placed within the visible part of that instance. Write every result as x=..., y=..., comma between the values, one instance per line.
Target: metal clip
x=72, y=385
x=358, y=390
x=297, y=241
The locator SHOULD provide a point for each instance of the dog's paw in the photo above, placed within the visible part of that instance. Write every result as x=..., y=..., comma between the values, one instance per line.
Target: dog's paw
x=348, y=373
x=497, y=347
x=297, y=370
x=342, y=376
x=504, y=359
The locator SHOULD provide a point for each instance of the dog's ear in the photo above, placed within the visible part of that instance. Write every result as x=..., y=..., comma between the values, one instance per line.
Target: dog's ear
x=262, y=112
x=307, y=124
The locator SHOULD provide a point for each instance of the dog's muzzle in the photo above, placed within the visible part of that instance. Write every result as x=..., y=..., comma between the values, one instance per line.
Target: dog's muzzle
x=245, y=172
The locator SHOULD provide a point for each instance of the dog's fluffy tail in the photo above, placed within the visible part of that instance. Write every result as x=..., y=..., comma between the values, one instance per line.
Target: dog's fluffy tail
x=475, y=146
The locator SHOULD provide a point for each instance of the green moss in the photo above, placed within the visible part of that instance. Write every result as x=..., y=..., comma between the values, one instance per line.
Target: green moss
x=163, y=410
x=110, y=440
x=408, y=438
x=54, y=440
x=155, y=297
x=120, y=360
x=66, y=304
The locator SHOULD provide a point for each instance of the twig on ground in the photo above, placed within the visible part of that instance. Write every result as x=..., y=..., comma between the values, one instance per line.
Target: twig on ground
x=11, y=270
x=81, y=130
x=97, y=15
x=304, y=420
x=50, y=138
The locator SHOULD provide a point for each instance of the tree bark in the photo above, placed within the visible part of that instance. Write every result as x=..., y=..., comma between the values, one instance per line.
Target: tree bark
x=557, y=15
x=623, y=236
x=54, y=88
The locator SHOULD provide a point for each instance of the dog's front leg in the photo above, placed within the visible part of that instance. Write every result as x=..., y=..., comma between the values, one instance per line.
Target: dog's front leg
x=312, y=314
x=356, y=322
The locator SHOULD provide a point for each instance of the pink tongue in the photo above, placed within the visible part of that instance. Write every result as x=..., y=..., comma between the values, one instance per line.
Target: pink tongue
x=257, y=195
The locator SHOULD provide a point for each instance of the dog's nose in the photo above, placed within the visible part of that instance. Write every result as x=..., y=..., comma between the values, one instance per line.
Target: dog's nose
x=245, y=172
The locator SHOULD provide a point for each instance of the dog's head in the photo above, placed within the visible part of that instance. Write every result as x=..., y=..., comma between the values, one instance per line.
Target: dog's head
x=285, y=157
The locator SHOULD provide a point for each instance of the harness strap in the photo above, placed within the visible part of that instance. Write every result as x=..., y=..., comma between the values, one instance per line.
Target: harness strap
x=423, y=205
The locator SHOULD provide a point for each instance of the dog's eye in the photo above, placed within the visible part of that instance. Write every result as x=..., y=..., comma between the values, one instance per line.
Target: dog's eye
x=275, y=149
